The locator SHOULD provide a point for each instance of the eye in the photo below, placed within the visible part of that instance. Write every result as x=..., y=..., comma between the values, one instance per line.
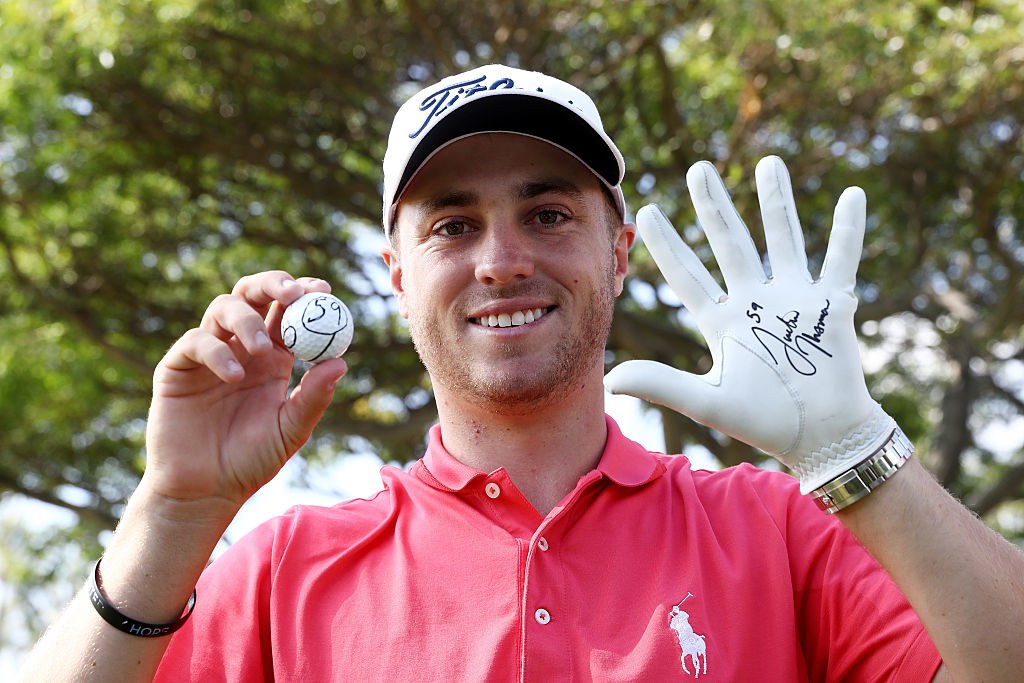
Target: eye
x=551, y=216
x=452, y=228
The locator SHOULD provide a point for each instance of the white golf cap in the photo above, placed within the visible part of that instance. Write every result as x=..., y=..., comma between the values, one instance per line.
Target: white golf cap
x=498, y=99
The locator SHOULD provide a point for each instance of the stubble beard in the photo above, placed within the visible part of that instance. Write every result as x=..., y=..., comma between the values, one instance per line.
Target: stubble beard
x=573, y=357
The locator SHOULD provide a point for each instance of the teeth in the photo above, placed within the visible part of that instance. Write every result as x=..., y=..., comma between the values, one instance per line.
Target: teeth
x=512, y=320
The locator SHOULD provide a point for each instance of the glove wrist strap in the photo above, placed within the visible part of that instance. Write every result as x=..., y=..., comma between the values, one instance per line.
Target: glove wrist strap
x=860, y=480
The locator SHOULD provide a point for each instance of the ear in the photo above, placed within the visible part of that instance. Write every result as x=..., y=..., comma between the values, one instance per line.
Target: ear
x=623, y=243
x=395, y=272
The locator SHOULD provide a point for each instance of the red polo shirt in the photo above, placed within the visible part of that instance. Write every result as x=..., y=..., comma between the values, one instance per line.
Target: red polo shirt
x=648, y=570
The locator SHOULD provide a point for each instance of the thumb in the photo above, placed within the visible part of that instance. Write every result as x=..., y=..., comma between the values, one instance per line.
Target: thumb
x=658, y=383
x=308, y=401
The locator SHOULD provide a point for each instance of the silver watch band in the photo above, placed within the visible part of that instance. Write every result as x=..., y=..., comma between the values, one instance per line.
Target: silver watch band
x=862, y=479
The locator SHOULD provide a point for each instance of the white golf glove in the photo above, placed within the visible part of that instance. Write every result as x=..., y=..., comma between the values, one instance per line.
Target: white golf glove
x=786, y=375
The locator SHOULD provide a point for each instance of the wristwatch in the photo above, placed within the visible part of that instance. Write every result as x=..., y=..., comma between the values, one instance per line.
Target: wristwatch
x=862, y=479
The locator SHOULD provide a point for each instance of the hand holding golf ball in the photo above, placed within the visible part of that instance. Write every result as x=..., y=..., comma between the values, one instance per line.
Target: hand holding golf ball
x=316, y=327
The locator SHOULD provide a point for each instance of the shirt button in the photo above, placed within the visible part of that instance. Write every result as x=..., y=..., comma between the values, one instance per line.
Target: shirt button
x=542, y=543
x=542, y=616
x=492, y=490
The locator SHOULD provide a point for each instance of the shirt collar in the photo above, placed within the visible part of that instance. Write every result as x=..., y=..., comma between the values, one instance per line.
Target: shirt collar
x=624, y=462
x=441, y=469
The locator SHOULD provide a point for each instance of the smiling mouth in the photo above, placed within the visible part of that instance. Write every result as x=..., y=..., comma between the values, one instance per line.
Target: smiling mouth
x=515, y=319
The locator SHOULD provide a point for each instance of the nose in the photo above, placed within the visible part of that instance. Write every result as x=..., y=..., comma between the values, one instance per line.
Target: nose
x=504, y=256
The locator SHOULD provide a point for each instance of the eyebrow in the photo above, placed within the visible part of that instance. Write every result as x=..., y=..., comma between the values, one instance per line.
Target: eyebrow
x=536, y=188
x=449, y=199
x=526, y=190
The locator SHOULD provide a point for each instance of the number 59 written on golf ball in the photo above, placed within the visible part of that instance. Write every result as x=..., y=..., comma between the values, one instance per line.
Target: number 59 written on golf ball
x=316, y=327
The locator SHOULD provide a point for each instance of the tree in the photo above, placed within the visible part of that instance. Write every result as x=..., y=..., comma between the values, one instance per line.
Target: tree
x=153, y=152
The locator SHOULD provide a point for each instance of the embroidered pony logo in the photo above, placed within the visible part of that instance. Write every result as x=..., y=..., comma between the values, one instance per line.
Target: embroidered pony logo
x=692, y=644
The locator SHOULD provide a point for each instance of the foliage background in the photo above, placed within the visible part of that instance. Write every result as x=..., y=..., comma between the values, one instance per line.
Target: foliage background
x=152, y=152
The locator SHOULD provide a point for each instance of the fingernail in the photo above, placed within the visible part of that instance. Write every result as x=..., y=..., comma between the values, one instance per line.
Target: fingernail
x=262, y=340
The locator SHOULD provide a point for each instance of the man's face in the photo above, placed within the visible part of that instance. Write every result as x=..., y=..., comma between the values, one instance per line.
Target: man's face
x=507, y=264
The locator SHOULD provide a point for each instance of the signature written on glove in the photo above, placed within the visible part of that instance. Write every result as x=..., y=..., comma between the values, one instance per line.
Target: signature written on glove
x=799, y=348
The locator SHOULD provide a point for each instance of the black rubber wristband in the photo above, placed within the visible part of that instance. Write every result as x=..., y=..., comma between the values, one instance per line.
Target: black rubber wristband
x=126, y=624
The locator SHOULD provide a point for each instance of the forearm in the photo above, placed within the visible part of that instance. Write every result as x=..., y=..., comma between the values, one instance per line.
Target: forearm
x=964, y=581
x=148, y=572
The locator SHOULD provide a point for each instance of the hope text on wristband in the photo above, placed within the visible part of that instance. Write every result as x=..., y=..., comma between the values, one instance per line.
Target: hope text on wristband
x=126, y=624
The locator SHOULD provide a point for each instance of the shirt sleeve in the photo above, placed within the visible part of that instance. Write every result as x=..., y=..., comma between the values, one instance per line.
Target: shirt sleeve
x=856, y=624
x=227, y=636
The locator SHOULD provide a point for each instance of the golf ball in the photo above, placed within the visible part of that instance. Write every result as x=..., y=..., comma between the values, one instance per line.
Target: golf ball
x=316, y=327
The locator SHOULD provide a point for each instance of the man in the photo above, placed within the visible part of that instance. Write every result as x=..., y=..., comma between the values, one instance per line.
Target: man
x=534, y=541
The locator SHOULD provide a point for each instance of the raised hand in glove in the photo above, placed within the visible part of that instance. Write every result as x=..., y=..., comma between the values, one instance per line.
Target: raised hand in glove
x=787, y=376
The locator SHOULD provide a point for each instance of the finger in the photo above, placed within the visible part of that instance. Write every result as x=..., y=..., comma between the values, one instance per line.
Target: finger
x=657, y=383
x=314, y=284
x=846, y=241
x=683, y=271
x=276, y=311
x=262, y=289
x=248, y=312
x=198, y=348
x=729, y=238
x=309, y=400
x=782, y=232
x=230, y=316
